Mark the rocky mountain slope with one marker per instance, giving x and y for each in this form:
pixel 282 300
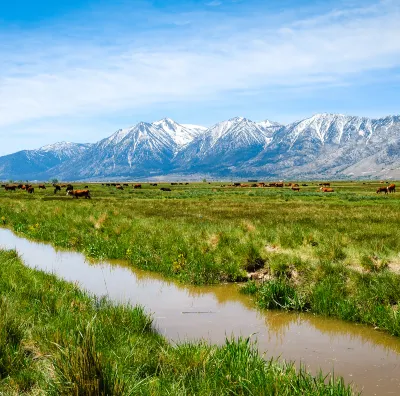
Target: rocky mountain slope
pixel 322 146
pixel 35 164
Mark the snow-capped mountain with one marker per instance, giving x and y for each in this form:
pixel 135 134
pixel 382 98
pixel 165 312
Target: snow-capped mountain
pixel 322 146
pixel 181 134
pixel 226 144
pixel 33 164
pixel 326 145
pixel 269 126
pixel 144 148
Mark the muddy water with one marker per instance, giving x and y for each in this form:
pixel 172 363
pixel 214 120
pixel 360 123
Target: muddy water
pixel 368 358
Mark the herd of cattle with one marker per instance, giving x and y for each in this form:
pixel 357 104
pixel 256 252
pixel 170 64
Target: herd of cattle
pixel 69 188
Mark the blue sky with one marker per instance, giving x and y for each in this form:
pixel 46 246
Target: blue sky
pixel 77 70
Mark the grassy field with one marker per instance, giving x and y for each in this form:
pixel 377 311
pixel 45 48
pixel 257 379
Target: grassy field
pixel 331 253
pixel 56 340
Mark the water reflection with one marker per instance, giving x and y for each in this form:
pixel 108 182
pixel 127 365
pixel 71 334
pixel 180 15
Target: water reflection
pixel 369 358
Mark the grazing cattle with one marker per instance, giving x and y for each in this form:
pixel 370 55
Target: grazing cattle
pixel 261 185
pixel 126 185
pixel 391 188
pixel 186 184
pixel 244 185
pixel 86 187
pixel 10 188
pixel 79 193
pixel 30 190
pixel 119 187
pixel 236 184
pixel 295 185
pixel 153 184
pixel 174 184
pixel 294 188
pixel 114 184
pixel 325 184
pixel 289 185
pixel 280 184
pixel 42 187
pixel 165 189
pixel 24 187
pixel 137 186
pixel 69 187
pixel 56 188
pixel 304 185
pixel 108 184
pixel 327 189
pixel 63 185
pixel 382 189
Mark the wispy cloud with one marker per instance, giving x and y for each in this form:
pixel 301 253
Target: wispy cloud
pixel 214 3
pixel 52 76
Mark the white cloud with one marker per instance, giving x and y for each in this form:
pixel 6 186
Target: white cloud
pixel 52 78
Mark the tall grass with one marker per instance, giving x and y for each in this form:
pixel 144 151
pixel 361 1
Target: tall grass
pixel 54 339
pixel 334 290
pixel 320 250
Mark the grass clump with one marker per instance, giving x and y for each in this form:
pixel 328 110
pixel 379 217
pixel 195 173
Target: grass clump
pixel 55 339
pixel 333 289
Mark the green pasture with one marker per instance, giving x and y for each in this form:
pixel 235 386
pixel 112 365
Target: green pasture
pixel 204 233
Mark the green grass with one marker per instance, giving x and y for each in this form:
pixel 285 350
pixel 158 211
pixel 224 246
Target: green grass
pixel 334 290
pixel 55 339
pixel 206 234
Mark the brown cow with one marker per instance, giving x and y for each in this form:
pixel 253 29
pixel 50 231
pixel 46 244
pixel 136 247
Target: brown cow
pixel 79 193
pixel 382 189
pixel 42 187
pixel 280 184
pixel 30 190
pixel 261 185
pixel 137 186
pixel 295 188
pixel 391 188
pixel 326 189
pixel 10 188
pixel 119 187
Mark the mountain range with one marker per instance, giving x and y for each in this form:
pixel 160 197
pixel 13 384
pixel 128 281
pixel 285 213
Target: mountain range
pixel 333 146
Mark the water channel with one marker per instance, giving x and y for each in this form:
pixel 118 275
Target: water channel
pixel 368 358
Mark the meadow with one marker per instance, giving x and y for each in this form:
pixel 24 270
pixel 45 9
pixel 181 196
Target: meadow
pixel 55 339
pixel 336 253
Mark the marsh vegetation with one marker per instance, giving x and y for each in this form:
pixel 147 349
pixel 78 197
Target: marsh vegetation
pixel 335 254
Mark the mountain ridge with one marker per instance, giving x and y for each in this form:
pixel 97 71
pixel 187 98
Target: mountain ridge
pixel 325 145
